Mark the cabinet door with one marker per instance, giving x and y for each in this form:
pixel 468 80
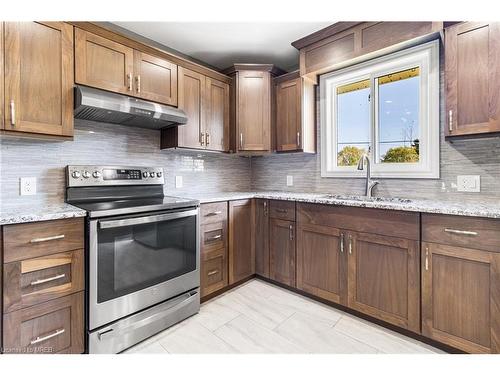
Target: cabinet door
pixel 282 251
pixel 102 63
pixel 1 78
pixel 191 101
pixel 383 278
pixel 155 78
pixel 39 77
pixel 262 237
pixel 288 115
pixel 217 115
pixel 461 297
pixel 254 111
pixel 241 240
pixel 213 271
pixel 472 58
pixel 322 262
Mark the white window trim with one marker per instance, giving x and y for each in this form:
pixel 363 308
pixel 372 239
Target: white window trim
pixel 426 57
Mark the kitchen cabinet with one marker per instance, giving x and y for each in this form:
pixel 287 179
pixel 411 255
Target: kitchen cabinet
pixel 112 66
pixel 282 251
pixel 206 103
pixel 251 106
pixel 472 73
pixel 383 278
pixel 322 262
pixel 38 74
pixel 294 123
pixel 262 237
pixel 214 251
pixel 1 78
pixel 241 240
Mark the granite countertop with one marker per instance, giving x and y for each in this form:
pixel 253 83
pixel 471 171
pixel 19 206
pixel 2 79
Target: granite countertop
pixel 39 212
pixel 488 210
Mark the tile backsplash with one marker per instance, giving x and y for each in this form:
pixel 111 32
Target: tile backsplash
pixel 109 144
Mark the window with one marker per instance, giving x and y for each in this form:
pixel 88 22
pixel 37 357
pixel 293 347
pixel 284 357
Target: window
pixel 387 108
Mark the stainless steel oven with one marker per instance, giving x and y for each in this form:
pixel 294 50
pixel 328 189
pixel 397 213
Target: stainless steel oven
pixel 143 261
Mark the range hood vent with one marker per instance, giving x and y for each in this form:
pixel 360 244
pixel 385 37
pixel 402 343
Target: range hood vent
pixel 102 106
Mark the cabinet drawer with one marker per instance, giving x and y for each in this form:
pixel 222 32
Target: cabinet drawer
pixel 24 241
pixel 284 210
pixel 32 281
pixel 52 327
pixel 214 272
pixel 470 232
pixel 213 236
pixel 213 212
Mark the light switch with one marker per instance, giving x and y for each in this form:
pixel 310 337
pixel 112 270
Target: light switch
pixel 27 185
pixel 289 180
pixel 178 182
pixel 470 183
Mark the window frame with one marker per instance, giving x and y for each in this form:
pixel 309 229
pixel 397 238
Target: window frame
pixel 426 58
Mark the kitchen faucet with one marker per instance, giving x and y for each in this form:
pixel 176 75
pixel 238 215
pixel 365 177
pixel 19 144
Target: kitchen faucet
pixel 369 183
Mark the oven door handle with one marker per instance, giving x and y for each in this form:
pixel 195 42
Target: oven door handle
pixel 145 219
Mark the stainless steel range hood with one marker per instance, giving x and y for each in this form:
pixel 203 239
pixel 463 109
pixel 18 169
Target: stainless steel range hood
pixel 102 106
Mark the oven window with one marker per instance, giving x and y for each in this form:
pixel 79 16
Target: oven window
pixel 131 258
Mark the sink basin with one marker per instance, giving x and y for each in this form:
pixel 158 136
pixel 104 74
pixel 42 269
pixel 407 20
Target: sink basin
pixel 361 198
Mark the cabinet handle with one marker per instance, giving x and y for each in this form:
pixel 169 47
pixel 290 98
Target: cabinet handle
pixel 45 338
pixel 213 213
pixel 45 239
pixel 298 139
pixel 214 272
pixel 265 208
pixel 12 113
pixel 350 244
pixel 241 140
pixel 450 120
pixel 129 82
pixel 207 138
pixel 341 242
pixel 281 210
pixel 202 139
pixel 138 79
pixel 427 259
pixel 462 232
pixel 215 237
pixel 290 227
pixel 43 281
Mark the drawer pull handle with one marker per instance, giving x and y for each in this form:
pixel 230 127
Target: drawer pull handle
pixel 341 242
pixel 463 232
pixel 45 338
pixel 45 239
pixel 427 259
pixel 350 244
pixel 214 272
pixel 281 210
pixel 48 279
pixel 215 237
pixel 214 213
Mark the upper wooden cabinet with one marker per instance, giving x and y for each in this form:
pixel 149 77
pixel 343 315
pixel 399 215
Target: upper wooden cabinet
pixel 38 95
pixel 115 67
pixel 472 59
pixel 251 106
pixel 295 128
pixel 206 103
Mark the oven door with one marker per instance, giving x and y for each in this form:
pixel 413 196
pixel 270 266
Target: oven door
pixel 137 261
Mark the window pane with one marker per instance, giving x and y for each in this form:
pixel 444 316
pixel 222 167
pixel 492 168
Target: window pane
pixel 353 122
pixel 398 117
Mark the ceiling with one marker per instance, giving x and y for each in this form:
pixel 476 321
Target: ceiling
pixel 221 44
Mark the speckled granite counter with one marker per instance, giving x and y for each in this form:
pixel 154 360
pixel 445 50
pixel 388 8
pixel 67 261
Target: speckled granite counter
pixel 41 212
pixel 489 210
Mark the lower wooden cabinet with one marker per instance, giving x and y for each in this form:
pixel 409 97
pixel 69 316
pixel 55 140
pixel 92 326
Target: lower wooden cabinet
pixel 282 251
pixel 461 297
pixel 213 271
pixel 262 237
pixel 241 240
pixel 383 278
pixel 322 262
pixel 52 327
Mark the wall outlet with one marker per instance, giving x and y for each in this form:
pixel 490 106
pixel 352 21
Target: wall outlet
pixel 178 182
pixel 27 185
pixel 469 183
pixel 289 180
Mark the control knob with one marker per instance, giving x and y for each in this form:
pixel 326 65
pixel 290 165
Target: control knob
pixel 75 174
pixel 96 174
pixel 151 174
pixel 145 174
pixel 158 174
pixel 86 174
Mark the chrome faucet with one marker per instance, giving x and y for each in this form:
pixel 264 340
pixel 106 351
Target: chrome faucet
pixel 370 184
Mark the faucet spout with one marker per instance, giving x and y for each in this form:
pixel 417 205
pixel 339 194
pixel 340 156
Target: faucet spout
pixel 369 183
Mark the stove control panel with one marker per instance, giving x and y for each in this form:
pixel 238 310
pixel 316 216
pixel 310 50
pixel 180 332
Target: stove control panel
pixel 98 175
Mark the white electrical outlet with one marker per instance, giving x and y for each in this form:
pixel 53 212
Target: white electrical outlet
pixel 289 180
pixel 178 182
pixel 469 183
pixel 27 185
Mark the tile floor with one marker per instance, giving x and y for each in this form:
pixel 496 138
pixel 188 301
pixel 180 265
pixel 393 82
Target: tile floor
pixel 258 317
